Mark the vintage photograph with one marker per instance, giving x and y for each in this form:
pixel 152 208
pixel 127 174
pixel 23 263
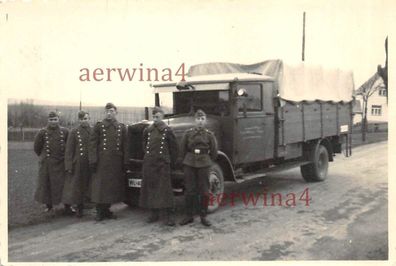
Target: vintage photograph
pixel 153 131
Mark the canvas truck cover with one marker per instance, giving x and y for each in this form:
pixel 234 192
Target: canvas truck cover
pixel 295 83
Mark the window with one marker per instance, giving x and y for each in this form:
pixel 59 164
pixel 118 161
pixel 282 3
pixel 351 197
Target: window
pixel 382 91
pixel 253 100
pixel 376 110
pixel 211 102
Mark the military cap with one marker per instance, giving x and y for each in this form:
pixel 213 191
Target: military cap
pixel 52 114
pixel 200 113
pixel 81 114
pixel 157 109
pixel 110 105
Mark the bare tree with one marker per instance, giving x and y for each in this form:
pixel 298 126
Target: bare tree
pixel 366 90
pixel 26 114
pixel 383 71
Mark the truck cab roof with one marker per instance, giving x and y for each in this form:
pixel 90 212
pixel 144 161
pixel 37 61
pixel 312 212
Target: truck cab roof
pixel 221 80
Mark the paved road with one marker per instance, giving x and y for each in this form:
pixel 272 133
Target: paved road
pixel 346 220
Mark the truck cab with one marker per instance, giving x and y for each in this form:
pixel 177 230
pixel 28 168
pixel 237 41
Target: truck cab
pixel 249 122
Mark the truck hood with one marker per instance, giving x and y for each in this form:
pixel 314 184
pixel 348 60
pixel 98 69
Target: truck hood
pixel 179 124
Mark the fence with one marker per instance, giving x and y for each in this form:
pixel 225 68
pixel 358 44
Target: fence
pixel 22 134
pixel 371 127
pixel 126 115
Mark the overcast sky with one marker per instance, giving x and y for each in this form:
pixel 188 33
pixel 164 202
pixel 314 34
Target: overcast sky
pixel 45 44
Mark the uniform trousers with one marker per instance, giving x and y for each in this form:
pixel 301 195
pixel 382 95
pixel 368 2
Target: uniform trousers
pixel 196 182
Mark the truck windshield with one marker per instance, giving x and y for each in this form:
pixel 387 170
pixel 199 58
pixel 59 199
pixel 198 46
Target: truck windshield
pixel 184 102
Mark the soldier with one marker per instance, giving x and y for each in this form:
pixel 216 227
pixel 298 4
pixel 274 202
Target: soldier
pixel 108 158
pixel 78 175
pixel 198 151
pixel 49 145
pixel 160 154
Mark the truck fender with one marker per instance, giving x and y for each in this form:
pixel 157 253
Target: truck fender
pixel 327 143
pixel 311 147
pixel 225 163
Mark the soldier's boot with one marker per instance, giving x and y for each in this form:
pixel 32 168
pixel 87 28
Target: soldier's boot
pixel 79 211
pixel 154 216
pixel 48 208
pixel 170 217
pixel 203 203
pixel 187 220
pixel 205 221
pixel 189 210
pixel 67 210
pixel 99 213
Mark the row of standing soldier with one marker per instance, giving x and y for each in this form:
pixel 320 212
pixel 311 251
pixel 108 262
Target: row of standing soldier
pixel 88 163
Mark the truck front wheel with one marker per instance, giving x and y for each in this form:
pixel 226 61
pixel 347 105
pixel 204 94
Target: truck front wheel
pixel 216 187
pixel 316 170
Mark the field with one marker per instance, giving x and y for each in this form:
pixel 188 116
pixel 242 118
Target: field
pixel 22 175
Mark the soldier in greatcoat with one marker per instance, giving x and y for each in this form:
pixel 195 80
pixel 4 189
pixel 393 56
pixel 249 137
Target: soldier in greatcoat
pixel 76 189
pixel 160 155
pixel 198 150
pixel 108 158
pixel 49 145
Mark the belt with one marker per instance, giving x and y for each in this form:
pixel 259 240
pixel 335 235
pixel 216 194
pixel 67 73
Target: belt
pixel 200 151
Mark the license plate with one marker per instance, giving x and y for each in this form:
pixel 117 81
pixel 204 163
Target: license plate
pixel 344 128
pixel 134 182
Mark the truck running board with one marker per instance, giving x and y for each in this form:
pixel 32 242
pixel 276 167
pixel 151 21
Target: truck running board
pixel 271 169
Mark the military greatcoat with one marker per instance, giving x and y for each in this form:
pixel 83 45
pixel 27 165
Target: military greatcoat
pixel 160 153
pixel 49 145
pixel 77 183
pixel 108 150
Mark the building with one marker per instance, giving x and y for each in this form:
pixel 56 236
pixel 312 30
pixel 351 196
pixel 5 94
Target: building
pixel 377 101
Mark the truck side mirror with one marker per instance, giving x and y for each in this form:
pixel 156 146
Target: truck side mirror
pixel 241 95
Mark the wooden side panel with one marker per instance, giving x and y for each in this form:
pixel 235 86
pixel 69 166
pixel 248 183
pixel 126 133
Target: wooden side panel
pixel 344 118
pixel 293 124
pixel 307 121
pixel 329 116
pixel 312 125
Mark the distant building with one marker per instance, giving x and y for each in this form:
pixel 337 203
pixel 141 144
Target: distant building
pixel 377 103
pixel 378 106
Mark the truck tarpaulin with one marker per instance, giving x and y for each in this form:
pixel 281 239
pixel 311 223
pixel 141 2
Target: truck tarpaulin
pixel 301 82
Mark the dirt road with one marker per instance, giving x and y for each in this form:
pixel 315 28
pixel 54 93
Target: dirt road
pixel 346 219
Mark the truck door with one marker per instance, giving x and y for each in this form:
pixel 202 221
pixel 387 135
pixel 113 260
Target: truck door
pixel 254 122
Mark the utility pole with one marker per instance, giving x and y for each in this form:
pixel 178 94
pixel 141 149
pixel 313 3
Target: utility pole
pixel 303 39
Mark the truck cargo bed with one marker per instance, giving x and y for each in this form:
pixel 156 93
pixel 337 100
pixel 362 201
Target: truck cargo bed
pixel 303 121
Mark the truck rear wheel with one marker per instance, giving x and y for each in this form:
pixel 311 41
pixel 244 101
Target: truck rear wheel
pixel 216 187
pixel 317 170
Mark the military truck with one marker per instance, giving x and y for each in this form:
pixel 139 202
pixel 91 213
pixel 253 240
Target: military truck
pixel 268 116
